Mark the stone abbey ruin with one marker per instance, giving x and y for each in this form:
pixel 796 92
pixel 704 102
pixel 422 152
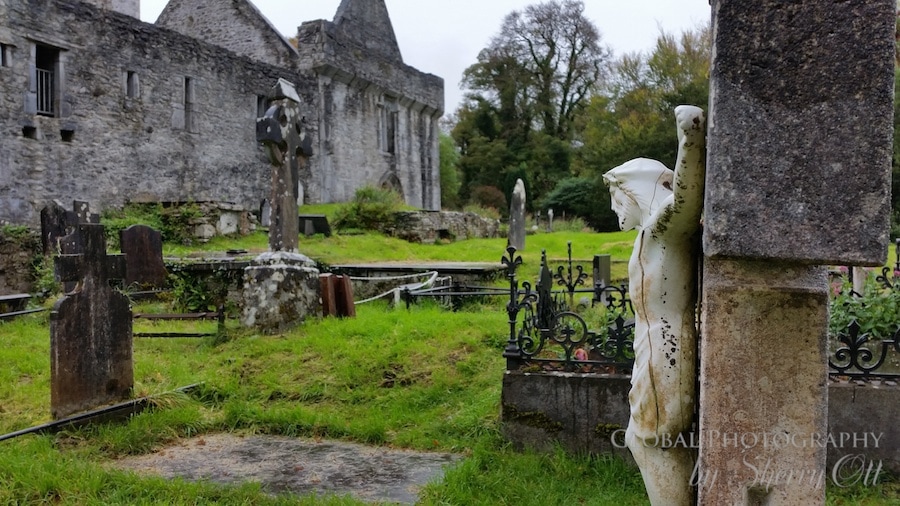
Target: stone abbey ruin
pixel 99 106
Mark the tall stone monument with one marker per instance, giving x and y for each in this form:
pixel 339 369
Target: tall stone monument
pixel 798 175
pixel 281 287
pixel 516 234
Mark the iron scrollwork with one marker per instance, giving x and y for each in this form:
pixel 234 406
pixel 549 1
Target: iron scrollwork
pixel 545 334
pixel 856 359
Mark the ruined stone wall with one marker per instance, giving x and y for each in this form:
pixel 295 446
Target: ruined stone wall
pixel 129 7
pixel 356 89
pixel 18 254
pixel 236 25
pixel 108 148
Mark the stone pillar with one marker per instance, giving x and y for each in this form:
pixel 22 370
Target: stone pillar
pixel 516 234
pixel 763 389
pixel 798 175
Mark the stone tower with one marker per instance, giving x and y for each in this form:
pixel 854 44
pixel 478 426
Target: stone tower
pixel 129 7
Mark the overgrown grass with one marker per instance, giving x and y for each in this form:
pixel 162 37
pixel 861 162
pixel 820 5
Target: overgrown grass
pixel 423 378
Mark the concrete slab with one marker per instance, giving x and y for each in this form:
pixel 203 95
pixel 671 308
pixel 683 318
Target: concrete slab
pixel 299 466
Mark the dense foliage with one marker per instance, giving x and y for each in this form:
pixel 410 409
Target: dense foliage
pixel 370 208
pixel 547 103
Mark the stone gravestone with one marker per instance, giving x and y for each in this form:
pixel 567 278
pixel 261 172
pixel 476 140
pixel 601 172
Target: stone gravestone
pixel 56 222
pixel 549 220
pixel 281 287
pixel 83 211
pixel 90 330
pixel 265 213
pixel 142 247
pixel 516 237
pixel 312 224
pixel 799 158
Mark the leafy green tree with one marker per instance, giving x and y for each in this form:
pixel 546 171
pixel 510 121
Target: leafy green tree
pixel 524 93
pixel 637 119
pixel 587 198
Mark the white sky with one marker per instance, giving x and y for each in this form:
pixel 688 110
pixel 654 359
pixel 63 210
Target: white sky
pixel 444 37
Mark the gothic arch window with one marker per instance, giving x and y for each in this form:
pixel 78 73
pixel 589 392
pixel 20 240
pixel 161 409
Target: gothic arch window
pixel 390 181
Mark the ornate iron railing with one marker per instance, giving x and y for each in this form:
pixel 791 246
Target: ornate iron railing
pixel 861 355
pixel 547 334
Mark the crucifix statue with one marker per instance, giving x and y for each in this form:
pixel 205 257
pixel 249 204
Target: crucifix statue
pixel 665 207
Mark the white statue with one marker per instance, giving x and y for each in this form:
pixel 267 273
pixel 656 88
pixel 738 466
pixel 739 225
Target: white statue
pixel 665 207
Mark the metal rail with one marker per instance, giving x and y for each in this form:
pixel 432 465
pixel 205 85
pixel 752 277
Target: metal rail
pixel 113 412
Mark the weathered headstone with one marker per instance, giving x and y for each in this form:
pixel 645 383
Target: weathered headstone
pixel 311 224
pixel 602 268
pixel 90 330
pixel 142 247
pixel 82 210
pixel 800 140
pixel 281 287
pixel 337 295
pixel 549 220
pixel 516 237
pixel 56 222
pixel 265 213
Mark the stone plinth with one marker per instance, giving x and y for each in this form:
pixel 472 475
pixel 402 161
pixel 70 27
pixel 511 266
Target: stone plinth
pixel 800 131
pixel 763 391
pixel 280 290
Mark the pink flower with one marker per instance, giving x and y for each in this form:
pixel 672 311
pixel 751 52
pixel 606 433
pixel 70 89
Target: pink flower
pixel 580 354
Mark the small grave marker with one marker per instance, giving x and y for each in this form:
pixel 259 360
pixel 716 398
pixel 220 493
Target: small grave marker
pixel 142 247
pixel 516 236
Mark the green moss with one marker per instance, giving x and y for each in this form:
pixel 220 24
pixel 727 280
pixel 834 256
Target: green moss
pixel 606 430
pixel 536 419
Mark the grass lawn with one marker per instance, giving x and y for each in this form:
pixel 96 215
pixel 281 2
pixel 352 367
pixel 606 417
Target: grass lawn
pixel 423 378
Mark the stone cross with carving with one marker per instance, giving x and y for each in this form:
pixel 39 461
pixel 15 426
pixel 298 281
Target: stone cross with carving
pixel 281 131
pixel 90 329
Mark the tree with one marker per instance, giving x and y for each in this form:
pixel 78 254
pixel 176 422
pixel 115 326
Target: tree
pixel 636 119
pixel 542 66
pixel 524 94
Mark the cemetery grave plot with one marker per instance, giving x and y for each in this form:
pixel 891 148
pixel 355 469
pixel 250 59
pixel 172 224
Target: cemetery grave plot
pixel 299 466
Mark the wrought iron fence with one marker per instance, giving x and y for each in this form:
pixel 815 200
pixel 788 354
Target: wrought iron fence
pixel 547 334
pixel 858 354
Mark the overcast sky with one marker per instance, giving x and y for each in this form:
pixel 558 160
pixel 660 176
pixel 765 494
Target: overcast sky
pixel 443 37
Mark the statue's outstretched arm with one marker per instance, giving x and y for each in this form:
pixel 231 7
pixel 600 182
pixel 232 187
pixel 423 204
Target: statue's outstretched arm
pixel 690 171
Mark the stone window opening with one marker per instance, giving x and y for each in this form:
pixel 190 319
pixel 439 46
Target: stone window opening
pixel 188 104
pixel 30 132
pixel 5 55
pixel 387 126
pixel 262 105
pixel 132 84
pixel 46 73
